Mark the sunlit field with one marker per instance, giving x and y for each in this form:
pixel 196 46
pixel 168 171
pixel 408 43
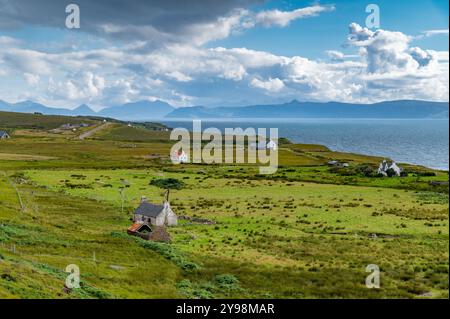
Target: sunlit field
pixel 308 231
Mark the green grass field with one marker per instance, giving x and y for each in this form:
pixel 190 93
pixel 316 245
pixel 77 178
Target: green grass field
pixel 305 232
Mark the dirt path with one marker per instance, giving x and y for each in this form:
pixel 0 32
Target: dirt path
pixel 93 131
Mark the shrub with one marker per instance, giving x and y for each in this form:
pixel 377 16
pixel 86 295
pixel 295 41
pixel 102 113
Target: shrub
pixel 227 282
pixel 171 254
pixel 390 172
pixel 366 170
pixel 425 174
pixel 165 250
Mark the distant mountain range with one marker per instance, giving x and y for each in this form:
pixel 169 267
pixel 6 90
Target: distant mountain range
pixel 142 110
pixel 296 109
pixel 156 110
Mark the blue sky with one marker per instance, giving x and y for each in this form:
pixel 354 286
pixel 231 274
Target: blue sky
pixel 227 53
pixel 312 37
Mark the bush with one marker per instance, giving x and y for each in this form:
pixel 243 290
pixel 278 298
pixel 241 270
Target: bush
pixel 227 282
pixel 390 172
pixel 366 170
pixel 426 174
pixel 194 291
pixel 171 254
pixel 166 250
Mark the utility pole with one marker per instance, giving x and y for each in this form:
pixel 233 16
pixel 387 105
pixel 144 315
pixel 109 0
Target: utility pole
pixel 122 190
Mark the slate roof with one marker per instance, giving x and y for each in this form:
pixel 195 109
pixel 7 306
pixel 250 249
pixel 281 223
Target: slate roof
pixel 149 210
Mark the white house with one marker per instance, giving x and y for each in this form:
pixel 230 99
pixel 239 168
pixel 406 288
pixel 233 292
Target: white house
pixel 156 215
pixel 385 166
pixel 4 135
pixel 271 145
pixel 179 157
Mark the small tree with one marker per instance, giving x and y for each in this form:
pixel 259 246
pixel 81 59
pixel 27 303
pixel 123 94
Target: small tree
pixel 167 183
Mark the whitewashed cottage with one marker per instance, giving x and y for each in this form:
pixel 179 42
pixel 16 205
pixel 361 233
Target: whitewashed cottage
pixel 156 215
pixel 4 135
pixel 179 157
pixel 385 166
pixel 271 145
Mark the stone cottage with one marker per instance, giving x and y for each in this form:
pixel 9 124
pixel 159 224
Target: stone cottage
pixel 156 215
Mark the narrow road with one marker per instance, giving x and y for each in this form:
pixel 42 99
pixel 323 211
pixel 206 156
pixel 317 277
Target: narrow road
pixel 94 130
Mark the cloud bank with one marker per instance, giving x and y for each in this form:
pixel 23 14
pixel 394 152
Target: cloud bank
pixel 144 55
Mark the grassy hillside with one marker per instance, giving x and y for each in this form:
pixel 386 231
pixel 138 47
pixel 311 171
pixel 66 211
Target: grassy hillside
pixel 134 134
pixel 307 231
pixel 10 120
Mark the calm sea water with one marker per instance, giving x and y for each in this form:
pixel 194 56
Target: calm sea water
pixel 424 142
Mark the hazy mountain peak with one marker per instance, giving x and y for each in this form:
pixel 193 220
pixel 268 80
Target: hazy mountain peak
pixel 83 107
pixel 139 110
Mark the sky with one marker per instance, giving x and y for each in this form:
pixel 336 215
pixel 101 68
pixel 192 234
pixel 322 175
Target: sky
pixel 222 52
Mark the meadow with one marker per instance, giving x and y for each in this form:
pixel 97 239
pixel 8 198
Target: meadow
pixel 308 231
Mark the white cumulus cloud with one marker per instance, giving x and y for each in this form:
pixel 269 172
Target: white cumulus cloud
pixel 271 85
pixel 283 18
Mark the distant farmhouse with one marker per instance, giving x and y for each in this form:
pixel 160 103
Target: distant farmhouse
pixel 69 126
pixel 4 135
pixel 337 164
pixel 150 219
pixel 387 169
pixel 271 145
pixel 179 157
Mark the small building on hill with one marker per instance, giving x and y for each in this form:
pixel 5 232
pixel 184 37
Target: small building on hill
pixel 4 135
pixel 179 157
pixel 271 145
pixel 260 146
pixel 387 169
pixel 335 163
pixel 156 215
pixel 150 221
pixel 73 127
pixel 149 232
pixel 140 229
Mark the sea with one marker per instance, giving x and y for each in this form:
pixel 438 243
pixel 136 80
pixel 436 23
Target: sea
pixel 415 141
